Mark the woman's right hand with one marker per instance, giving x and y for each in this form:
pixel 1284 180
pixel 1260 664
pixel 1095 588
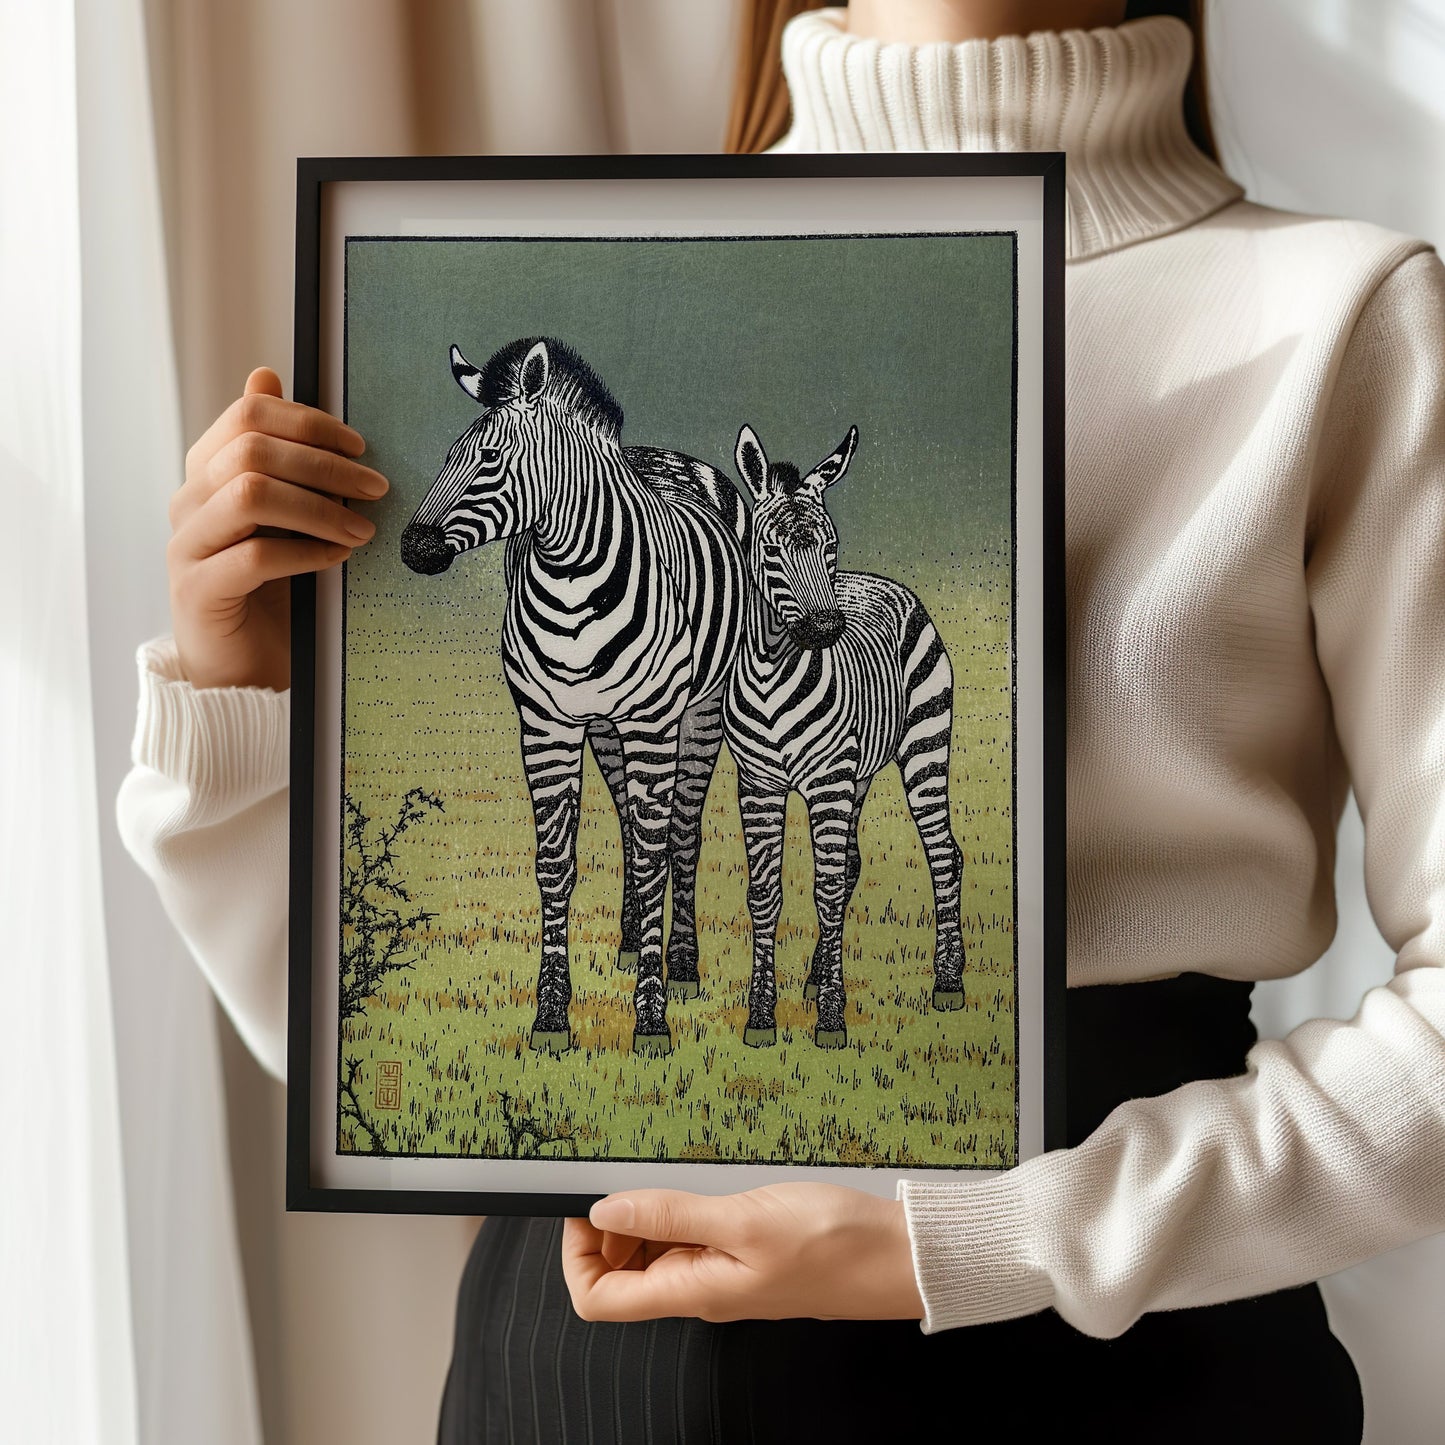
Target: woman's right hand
pixel 265 469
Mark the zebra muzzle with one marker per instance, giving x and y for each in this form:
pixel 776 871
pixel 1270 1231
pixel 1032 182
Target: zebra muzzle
pixel 424 549
pixel 817 629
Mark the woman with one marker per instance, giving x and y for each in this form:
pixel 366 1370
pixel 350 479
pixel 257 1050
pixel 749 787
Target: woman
pixel 1257 619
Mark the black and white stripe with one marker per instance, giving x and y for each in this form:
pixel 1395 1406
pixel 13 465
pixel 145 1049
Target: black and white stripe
pixel 838 675
pixel 623 614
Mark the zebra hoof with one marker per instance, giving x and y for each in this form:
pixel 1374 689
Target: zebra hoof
pixel 945 1001
pixel 653 1044
pixel 627 959
pixel 810 989
pixel 551 1041
pixel 760 1038
pixel 831 1038
pixel 683 987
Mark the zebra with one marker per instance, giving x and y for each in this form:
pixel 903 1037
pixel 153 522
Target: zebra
pixel 624 579
pixel 838 674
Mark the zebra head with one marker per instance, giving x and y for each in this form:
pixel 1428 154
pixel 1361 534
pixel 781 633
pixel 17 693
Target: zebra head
pixel 793 556
pixel 540 401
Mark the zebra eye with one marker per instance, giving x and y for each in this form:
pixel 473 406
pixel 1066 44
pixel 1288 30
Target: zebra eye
pixel 488 456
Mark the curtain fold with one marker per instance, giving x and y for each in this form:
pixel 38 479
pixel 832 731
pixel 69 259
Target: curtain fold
pixel 193 1365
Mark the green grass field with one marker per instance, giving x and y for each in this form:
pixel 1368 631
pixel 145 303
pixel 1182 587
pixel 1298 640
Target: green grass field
pixel 425 705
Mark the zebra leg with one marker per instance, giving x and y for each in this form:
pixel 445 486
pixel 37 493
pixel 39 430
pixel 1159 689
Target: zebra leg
pixel 764 808
pixel 830 797
pixel 853 866
pixel 607 749
pixel 649 750
pixel 923 760
pixel 699 743
pixel 552 760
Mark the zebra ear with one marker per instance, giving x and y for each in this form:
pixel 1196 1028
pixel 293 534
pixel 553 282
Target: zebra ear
pixel 532 379
pixel 832 467
pixel 467 375
pixel 752 463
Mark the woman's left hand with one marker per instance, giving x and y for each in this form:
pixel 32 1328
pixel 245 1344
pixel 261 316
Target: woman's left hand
pixel 781 1252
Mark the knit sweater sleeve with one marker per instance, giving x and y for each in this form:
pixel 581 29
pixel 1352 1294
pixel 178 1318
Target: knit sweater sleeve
pixel 1331 1146
pixel 203 810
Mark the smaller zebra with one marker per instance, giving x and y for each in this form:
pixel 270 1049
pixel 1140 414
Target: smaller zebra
pixel 839 674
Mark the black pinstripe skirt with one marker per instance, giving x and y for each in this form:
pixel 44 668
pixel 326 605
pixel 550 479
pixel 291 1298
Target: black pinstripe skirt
pixel 525 1368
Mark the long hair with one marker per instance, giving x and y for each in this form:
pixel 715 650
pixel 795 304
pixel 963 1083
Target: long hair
pixel 759 114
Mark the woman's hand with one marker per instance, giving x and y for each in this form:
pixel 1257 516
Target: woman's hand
pixel 266 469
pixel 781 1252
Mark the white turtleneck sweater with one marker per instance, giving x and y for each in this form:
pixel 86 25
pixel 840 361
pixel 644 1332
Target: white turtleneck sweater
pixel 1256 590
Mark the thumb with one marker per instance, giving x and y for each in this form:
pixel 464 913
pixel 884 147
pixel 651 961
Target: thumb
pixel 263 382
pixel 670 1216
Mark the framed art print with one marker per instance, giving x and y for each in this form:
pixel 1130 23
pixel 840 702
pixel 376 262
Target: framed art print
pixel 677 776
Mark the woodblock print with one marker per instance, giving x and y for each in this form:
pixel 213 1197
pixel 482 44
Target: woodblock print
pixel 894 1094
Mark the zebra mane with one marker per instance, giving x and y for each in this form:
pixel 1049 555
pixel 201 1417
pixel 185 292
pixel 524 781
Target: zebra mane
pixel 783 477
pixel 572 384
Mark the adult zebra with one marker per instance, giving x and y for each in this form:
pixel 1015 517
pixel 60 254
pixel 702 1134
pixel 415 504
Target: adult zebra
pixel 624 605
pixel 839 673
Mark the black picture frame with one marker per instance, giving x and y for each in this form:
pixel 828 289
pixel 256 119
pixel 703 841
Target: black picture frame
pixel 313 178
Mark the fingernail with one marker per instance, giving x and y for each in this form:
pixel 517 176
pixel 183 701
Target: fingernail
pixel 374 485
pixel 617 1214
pixel 358 526
pixel 353 439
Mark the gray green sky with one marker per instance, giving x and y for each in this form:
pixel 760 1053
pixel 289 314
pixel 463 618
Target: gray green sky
pixel 909 338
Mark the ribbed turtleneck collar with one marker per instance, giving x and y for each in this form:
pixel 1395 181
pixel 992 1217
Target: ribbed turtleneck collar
pixel 1110 98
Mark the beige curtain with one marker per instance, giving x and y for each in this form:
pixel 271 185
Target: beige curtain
pixel 242 89
pixel 351 1316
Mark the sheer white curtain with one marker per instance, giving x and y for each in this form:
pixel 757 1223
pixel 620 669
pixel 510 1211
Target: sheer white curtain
pixel 66 1341
pixel 193 1361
